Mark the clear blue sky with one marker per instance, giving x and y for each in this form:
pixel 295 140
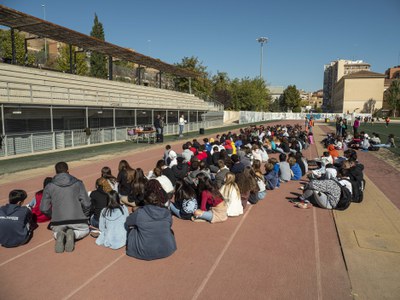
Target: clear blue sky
pixel 303 35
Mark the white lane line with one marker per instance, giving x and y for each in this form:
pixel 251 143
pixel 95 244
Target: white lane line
pixel 26 252
pixel 317 256
pixel 218 260
pixel 94 277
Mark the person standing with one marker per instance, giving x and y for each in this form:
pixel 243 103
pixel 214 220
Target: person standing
pixel 311 124
pixel 387 121
pixel 66 200
pixel 182 123
pixel 356 125
pixel 159 124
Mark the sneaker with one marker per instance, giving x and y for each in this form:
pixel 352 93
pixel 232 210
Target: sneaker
pixel 69 240
pixel 60 240
pixel 95 233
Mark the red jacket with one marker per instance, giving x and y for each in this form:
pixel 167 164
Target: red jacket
pixel 36 211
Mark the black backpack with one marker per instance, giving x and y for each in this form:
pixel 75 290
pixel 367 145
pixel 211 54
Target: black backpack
pixel 345 198
pixel 358 190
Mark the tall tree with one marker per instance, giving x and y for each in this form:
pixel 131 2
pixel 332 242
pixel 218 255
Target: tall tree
pixel 250 94
pixel 221 89
pixel 201 86
pixel 6 48
pixel 392 96
pixel 291 99
pixel 98 61
pixel 63 60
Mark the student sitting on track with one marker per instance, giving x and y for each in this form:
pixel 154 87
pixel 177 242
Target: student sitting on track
pixel 185 202
pixel 295 168
pixel 325 193
pixel 149 228
pixel 99 200
pixel 34 205
pixel 212 205
pixel 16 224
pixel 65 199
pixel 248 186
pixel 136 196
pixel 284 169
pixel 124 184
pixel 112 223
pixel 270 176
pixel 231 193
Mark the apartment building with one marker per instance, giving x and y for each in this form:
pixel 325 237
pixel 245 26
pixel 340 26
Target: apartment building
pixel 360 92
pixel 334 71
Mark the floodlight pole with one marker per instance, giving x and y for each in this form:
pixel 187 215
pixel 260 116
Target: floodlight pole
pixel 45 40
pixel 262 40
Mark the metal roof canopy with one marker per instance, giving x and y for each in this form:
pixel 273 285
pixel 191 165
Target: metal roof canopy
pixel 27 23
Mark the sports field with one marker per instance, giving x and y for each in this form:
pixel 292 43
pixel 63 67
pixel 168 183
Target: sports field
pixel 383 132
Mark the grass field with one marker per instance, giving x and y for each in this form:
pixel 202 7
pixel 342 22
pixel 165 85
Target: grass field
pixel 383 132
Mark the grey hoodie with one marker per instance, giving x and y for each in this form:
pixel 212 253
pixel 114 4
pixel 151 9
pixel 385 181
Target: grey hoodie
pixel 65 199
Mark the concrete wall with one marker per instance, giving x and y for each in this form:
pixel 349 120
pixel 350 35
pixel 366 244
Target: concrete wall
pixel 358 91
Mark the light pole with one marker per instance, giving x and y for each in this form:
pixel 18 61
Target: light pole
pixel 262 40
pixel 45 40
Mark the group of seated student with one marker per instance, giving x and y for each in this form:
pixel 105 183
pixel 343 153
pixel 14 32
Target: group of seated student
pixel 333 171
pixel 361 141
pixel 208 181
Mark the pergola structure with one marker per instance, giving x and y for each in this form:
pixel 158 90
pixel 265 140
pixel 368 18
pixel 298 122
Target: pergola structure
pixel 17 20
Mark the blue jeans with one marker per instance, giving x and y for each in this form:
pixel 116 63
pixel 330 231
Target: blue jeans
pixel 181 129
pixel 207 215
pixel 174 210
pixel 94 222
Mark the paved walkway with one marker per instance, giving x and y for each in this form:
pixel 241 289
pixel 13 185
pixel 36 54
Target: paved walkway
pixel 274 251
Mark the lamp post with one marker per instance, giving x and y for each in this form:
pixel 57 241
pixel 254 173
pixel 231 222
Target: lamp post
pixel 262 41
pixel 45 40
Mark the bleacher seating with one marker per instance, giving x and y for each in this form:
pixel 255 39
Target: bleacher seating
pixel 22 85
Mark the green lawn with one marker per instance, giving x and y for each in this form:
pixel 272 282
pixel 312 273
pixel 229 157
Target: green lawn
pixel 383 132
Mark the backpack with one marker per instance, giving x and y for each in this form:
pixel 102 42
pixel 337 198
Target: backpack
pixel 345 198
pixel 358 190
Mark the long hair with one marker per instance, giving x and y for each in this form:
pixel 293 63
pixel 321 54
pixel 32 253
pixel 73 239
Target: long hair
pixel 183 191
pixel 112 203
pixel 257 167
pixel 229 185
pixel 205 184
pixel 139 183
pixel 123 165
pixel 246 180
pixel 106 173
pixel 154 193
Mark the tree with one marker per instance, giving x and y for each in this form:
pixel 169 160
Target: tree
pixel 392 96
pixel 291 99
pixel 275 106
pixel 250 94
pixel 63 61
pixel 221 89
pixel 201 85
pixel 6 48
pixel 98 61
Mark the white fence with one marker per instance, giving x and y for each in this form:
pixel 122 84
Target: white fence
pixel 246 117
